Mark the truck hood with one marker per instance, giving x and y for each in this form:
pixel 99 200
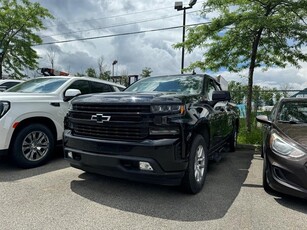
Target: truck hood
pixel 130 98
pixel 26 97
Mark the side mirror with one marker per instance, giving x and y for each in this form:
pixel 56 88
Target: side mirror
pixel 71 93
pixel 221 96
pixel 263 119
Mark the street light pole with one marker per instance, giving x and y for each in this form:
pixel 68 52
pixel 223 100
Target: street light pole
pixel 183 40
pixel 178 7
pixel 113 64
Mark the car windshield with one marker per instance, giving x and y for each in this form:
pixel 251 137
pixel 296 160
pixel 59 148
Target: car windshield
pixel 39 85
pixel 293 112
pixel 189 84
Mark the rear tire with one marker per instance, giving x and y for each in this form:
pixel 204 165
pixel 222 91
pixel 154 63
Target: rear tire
pixel 32 146
pixel 195 175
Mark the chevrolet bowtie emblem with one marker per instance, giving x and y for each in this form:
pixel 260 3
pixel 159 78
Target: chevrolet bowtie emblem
pixel 99 118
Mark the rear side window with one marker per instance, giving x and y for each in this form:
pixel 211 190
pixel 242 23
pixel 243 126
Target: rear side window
pixel 81 85
pixel 98 87
pixel 9 84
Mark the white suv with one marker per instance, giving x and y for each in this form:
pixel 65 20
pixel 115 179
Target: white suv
pixel 8 83
pixel 32 115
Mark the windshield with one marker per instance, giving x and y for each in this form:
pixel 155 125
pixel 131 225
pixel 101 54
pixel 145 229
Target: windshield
pixel 40 85
pixel 178 84
pixel 293 112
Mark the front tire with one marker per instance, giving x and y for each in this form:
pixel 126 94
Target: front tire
pixel 33 146
pixel 195 175
pixel 265 183
pixel 233 141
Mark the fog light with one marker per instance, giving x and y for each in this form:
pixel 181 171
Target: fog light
pixel 69 154
pixel 145 166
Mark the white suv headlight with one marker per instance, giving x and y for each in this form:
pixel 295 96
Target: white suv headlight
pixel 284 148
pixel 4 107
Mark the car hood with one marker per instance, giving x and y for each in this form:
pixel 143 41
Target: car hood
pixel 296 132
pixel 130 98
pixel 25 97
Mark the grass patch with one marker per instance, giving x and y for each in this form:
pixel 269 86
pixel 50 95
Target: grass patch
pixel 254 137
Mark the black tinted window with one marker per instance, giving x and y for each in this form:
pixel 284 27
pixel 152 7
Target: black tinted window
pixel 81 85
pixel 9 84
pixel 98 87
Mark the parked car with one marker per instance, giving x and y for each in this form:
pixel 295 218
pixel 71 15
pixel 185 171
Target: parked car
pixel 8 83
pixel 284 149
pixel 161 130
pixel 32 115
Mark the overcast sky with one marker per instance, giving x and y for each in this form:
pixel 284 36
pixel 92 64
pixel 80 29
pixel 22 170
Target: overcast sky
pixel 80 19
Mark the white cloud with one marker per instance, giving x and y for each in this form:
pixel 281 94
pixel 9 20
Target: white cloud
pixel 134 52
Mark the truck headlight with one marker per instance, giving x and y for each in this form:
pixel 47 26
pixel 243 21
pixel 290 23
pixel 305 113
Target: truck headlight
pixel 167 109
pixel 284 148
pixel 4 107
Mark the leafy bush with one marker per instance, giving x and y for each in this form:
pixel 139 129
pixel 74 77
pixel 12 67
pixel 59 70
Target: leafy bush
pixel 254 137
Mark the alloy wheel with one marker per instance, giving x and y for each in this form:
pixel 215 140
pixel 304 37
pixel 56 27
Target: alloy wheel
pixel 35 146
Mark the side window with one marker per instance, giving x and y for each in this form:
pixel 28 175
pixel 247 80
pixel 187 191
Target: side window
pixel 9 84
pixel 82 85
pixel 211 88
pixel 98 87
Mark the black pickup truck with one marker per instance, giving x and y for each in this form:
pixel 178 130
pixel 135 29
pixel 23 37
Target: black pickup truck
pixel 160 130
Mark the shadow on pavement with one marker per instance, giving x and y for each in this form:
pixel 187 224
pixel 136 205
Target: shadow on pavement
pixel 223 183
pixel 10 172
pixel 293 203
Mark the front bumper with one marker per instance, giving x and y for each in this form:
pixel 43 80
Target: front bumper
pixel 287 175
pixel 121 158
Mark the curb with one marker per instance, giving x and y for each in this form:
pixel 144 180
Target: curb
pixel 248 146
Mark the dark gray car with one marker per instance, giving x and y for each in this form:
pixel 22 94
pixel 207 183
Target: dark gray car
pixel 285 147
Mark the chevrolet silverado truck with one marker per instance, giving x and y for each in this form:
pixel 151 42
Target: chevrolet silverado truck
pixel 32 115
pixel 160 130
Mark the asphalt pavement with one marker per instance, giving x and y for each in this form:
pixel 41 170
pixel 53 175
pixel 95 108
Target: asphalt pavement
pixel 56 196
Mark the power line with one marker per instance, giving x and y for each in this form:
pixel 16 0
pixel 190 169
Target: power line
pixel 118 25
pixel 116 16
pixel 116 35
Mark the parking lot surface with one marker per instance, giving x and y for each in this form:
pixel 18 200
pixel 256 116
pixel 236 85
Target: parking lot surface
pixel 56 196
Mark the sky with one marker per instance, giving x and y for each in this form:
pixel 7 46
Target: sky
pixel 108 20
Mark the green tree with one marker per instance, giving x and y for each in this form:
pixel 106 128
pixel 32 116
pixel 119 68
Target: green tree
pixel 91 72
pixel 277 94
pixel 267 96
pixel 250 33
pixel 19 20
pixel 106 75
pixel 238 91
pixel 146 72
pixel 102 68
pixel 257 97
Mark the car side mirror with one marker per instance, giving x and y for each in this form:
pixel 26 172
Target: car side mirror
pixel 221 96
pixel 71 93
pixel 263 119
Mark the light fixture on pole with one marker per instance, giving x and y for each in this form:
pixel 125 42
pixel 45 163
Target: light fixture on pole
pixel 113 64
pixel 178 7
